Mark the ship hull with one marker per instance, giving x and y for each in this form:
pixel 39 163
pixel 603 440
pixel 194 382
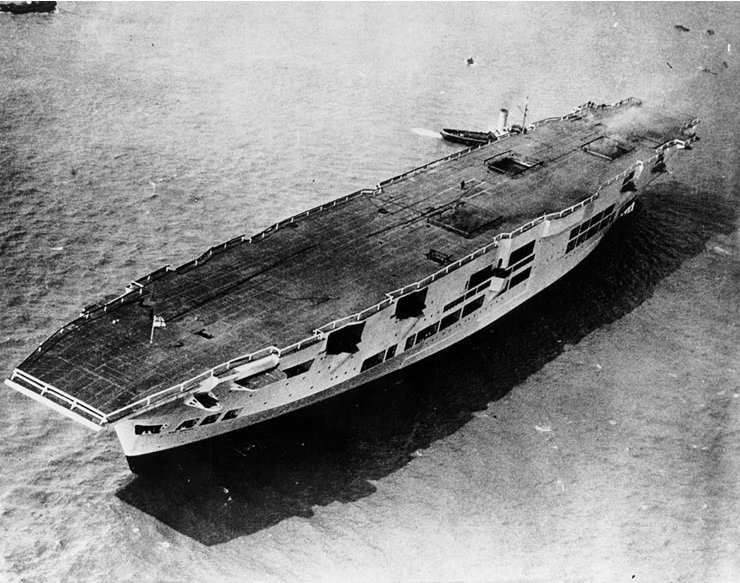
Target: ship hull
pixel 550 261
pixel 153 457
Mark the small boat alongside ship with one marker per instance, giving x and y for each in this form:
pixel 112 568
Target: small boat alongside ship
pixel 350 291
pixel 40 7
pixel 468 137
pixel 473 138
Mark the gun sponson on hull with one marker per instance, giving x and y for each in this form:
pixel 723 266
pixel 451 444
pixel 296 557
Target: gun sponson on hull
pixel 349 291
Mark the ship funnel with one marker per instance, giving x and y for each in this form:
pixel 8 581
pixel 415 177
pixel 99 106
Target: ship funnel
pixel 503 118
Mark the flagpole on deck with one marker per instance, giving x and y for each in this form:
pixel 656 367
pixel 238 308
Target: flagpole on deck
pixel 157 322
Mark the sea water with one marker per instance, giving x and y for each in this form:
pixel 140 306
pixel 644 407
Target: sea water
pixel 590 436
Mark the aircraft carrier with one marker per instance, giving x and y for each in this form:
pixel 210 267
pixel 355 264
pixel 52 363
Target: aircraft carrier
pixel 347 292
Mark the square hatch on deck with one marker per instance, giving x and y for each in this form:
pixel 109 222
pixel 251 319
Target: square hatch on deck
pixel 509 165
pixel 606 147
pixel 466 219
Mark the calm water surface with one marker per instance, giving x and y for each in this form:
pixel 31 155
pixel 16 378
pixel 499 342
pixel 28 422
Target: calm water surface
pixel 591 437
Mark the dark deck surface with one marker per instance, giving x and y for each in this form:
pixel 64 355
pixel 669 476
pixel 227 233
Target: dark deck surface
pixel 333 263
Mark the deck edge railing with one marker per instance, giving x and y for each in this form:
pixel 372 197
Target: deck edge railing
pixel 61 398
pixel 436 162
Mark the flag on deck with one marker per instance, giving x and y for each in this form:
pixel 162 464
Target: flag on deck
pixel 157 322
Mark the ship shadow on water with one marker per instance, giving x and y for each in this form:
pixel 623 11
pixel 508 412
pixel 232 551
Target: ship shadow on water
pixel 330 452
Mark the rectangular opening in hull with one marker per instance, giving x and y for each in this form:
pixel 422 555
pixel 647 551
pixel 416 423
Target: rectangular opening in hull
pixel 147 429
pixel 298 369
pixel 411 305
pixel 345 339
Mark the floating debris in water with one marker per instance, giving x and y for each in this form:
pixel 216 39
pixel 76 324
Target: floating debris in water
pixel 708 70
pixel 710 31
pixel 681 27
pixel 470 61
pixel 724 63
pixel 543 428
